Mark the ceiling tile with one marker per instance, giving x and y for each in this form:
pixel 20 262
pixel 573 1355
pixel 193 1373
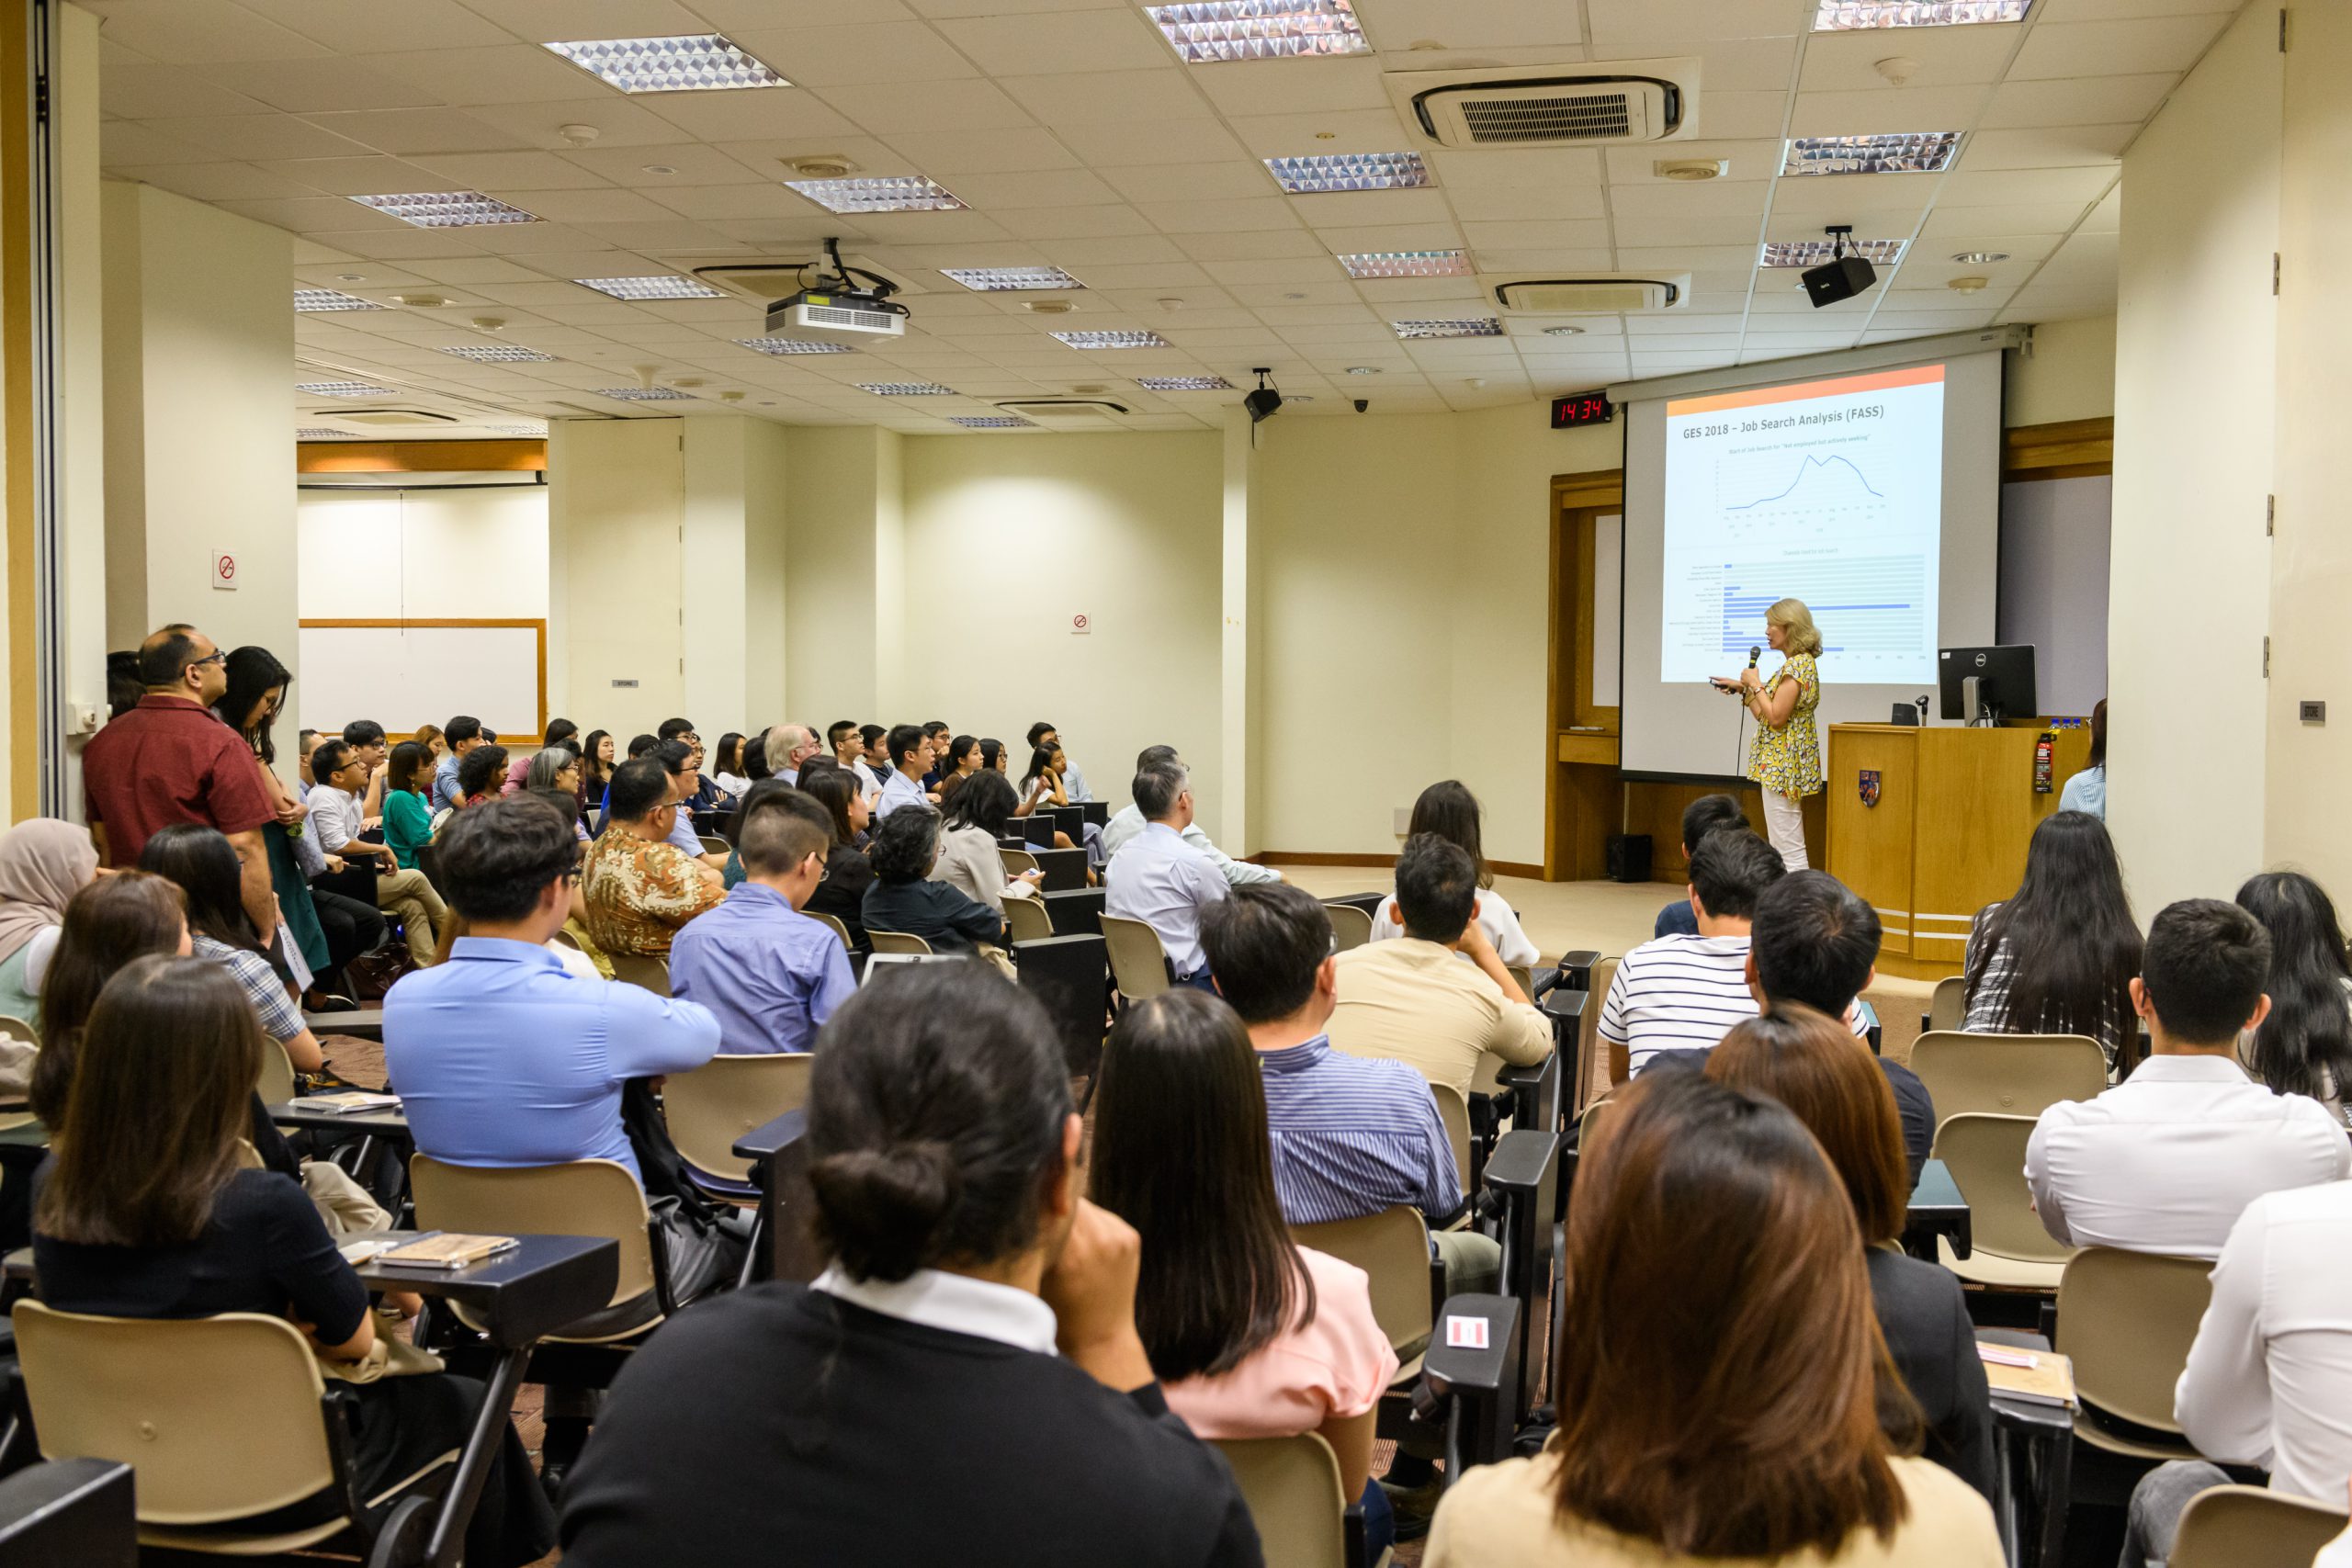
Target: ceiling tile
pixel 1035 189
pixel 888 108
pixel 2035 218
pixel 1885 109
pixel 365 26
pixel 1015 150
pixel 601 206
pixel 1229 245
pixel 857 54
pixel 747 198
pixel 256 137
pixel 2061 147
pixel 1077 252
pixel 2113 49
pixel 308 213
pixel 693 162
pixel 510 171
pixel 1739 116
pixel 1293 86
pixel 1066 222
pixel 1495 24
pixel 1127 97
pixel 1684 231
pixel 1622 23
pixel 2077 101
pixel 371 175
pixel 1221 180
pixel 155 92
pixel 1712 198
pixel 1833 196
pixel 507 73
pixel 200 32
pixel 214 182
pixel 617 123
pixel 1118 39
pixel 1520 236
pixel 408 132
pixel 1939 57
pixel 301 87
pixel 1219 217
pixel 1755 159
pixel 136 142
pixel 2013 185
pixel 544 20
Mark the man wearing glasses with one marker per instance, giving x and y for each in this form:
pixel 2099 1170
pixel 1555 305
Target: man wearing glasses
pixel 171 759
pixel 771 974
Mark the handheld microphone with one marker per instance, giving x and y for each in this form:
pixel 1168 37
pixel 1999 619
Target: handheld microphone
pixel 1755 652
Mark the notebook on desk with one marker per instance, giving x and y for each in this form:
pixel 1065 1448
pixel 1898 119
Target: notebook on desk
pixel 2040 1377
pixel 445 1249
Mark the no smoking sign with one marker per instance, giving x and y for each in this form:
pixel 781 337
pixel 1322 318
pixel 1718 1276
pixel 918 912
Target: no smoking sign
pixel 1080 623
pixel 225 570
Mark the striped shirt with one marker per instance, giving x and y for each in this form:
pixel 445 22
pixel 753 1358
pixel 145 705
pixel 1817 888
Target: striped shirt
pixel 1352 1138
pixel 1682 993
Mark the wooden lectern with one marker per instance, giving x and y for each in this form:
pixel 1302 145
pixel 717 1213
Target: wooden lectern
pixel 1930 824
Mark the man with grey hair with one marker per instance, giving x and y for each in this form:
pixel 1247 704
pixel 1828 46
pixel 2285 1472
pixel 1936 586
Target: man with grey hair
pixel 1129 822
pixel 1161 880
pixel 789 746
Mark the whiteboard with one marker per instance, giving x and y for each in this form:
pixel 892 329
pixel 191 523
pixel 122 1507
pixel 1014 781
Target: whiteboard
pixel 408 674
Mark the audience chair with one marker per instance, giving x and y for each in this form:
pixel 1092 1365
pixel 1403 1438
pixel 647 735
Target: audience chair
pixel 712 844
pixel 1524 977
pixel 2006 1074
pixel 1454 1112
pixel 642 970
pixel 1947 1007
pixel 589 1197
pixel 1017 863
pixel 1393 1249
pixel 223 1419
pixel 275 1085
pixel 711 1107
pixel 897 942
pixel 1292 1486
pixel 2008 1246
pixel 19 1031
pixel 1351 927
pixel 1139 963
pixel 1028 920
pixel 2235 1526
pixel 831 923
pixel 69 1511
pixel 1592 1056
pixel 2134 1315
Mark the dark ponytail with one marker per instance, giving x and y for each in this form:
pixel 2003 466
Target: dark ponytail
pixel 935 1115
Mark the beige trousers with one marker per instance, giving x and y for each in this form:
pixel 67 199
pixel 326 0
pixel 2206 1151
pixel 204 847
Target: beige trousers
pixel 407 894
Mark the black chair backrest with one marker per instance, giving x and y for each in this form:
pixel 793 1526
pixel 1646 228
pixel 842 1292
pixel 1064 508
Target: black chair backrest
pixel 1097 812
pixel 75 1512
pixel 1071 819
pixel 1076 912
pixel 1037 828
pixel 1071 976
pixel 1065 869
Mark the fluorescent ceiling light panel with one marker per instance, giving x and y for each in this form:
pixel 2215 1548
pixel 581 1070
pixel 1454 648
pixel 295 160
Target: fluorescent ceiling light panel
pixel 1011 279
pixel 446 209
pixel 700 62
pixel 319 433
pixel 1814 253
pixel 1115 340
pixel 497 353
pixel 1184 383
pixel 793 346
pixel 331 299
pixel 991 421
pixel 665 286
pixel 1407 264
pixel 905 389
pixel 1467 326
pixel 883 193
pixel 1855 16
pixel 342 389
pixel 645 394
pixel 1894 153
pixel 1216 30
pixel 1349 171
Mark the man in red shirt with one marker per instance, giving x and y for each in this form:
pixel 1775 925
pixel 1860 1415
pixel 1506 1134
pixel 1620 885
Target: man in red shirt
pixel 171 759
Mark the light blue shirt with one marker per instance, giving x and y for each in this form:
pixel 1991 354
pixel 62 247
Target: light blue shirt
pixel 2086 791
pixel 1165 882
pixel 898 790
pixel 768 972
pixel 1126 822
pixel 683 834
pixel 501 1058
pixel 1074 782
pixel 444 792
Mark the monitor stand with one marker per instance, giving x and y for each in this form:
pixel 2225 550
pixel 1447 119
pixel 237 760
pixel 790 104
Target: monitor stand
pixel 1980 716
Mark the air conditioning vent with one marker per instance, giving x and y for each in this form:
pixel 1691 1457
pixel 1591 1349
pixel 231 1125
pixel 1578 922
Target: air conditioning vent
pixel 1067 411
pixel 395 419
pixel 1606 293
pixel 1647 100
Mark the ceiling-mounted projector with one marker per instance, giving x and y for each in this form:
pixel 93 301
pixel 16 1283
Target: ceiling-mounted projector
pixel 840 302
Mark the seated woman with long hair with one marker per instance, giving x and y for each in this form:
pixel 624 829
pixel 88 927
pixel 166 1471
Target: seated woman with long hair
pixel 185 1229
pixel 204 867
pixel 2058 955
pixel 2303 1045
pixel 1719 1369
pixel 1817 1069
pixel 1448 809
pixel 848 873
pixel 1251 1335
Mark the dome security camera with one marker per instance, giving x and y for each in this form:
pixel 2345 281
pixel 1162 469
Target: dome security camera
pixel 1363 405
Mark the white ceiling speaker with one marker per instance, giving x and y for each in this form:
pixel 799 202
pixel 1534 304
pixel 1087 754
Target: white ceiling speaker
pixel 823 166
pixel 1563 106
pixel 1590 293
pixel 1067 411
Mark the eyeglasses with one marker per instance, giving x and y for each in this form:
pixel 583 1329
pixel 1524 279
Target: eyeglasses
pixel 215 656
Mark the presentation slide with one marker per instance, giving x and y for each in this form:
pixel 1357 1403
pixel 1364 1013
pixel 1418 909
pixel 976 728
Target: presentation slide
pixel 1866 484
pixel 1830 492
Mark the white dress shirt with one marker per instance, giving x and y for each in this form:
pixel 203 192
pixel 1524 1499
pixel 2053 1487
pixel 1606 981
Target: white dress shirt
pixel 2169 1160
pixel 956 1302
pixel 1127 822
pixel 898 791
pixel 2269 1380
pixel 868 781
pixel 1494 919
pixel 337 815
pixel 1165 882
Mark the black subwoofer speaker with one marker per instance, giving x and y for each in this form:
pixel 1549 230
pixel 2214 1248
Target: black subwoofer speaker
pixel 1629 857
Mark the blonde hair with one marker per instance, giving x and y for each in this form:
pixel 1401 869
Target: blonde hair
pixel 1792 618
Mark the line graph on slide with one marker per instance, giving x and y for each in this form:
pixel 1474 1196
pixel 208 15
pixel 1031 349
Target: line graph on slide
pixel 1805 470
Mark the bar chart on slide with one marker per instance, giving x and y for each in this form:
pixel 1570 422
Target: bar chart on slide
pixel 1826 492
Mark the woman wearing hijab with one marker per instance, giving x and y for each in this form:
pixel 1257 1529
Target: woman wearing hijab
pixel 43 862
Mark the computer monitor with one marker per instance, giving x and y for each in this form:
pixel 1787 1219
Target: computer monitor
pixel 2003 682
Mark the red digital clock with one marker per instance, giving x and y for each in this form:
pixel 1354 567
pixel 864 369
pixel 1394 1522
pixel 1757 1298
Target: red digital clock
pixel 1582 408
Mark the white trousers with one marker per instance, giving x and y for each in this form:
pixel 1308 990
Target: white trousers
pixel 1784 827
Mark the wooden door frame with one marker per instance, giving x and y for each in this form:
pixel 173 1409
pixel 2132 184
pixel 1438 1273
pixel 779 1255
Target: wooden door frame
pixel 1596 491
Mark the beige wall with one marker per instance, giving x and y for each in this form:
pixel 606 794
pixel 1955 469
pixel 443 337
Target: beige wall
pixel 2190 568
pixel 200 346
pixel 832 476
pixel 2311 580
pixel 2068 373
pixel 732 549
pixel 1007 539
pixel 616 501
